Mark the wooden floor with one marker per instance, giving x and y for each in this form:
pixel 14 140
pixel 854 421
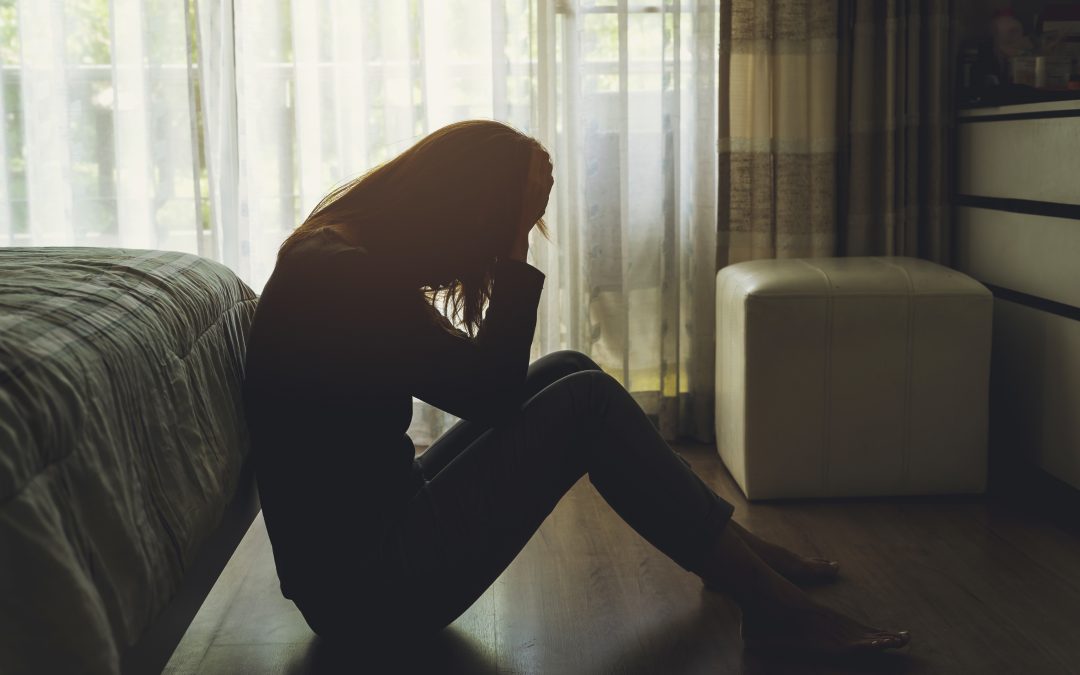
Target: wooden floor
pixel 983 589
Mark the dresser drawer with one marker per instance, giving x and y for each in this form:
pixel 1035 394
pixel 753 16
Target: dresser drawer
pixel 1037 255
pixel 1034 159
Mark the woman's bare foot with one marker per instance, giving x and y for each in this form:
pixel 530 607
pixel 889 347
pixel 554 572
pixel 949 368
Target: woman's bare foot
pixel 792 566
pixel 777 614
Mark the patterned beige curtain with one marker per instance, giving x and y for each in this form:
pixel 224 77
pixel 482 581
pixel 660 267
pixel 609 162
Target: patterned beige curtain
pixel 895 180
pixel 778 129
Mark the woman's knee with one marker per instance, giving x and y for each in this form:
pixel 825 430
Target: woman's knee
pixel 568 411
pixel 554 366
pixel 592 391
pixel 572 360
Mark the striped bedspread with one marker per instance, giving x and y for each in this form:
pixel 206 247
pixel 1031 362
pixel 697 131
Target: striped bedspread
pixel 121 441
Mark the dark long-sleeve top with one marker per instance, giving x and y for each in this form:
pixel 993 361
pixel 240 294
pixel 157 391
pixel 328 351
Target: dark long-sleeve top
pixel 337 350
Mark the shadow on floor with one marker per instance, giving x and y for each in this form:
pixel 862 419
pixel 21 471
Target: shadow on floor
pixel 887 663
pixel 450 652
pixel 707 640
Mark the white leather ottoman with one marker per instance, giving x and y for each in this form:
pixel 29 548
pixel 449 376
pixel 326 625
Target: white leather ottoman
pixel 843 377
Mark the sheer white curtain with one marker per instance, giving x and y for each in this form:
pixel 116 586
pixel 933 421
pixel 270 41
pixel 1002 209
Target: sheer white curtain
pixel 98 135
pixel 219 139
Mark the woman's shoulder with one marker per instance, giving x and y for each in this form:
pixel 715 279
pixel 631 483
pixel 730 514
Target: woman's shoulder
pixel 326 262
pixel 322 242
pixel 323 254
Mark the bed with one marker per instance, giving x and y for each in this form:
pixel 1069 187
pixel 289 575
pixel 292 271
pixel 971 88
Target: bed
pixel 124 474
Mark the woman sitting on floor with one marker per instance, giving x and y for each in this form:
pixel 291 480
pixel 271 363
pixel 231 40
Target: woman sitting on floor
pixel 371 543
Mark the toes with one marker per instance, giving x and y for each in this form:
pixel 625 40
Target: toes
pixel 886 640
pixel 817 570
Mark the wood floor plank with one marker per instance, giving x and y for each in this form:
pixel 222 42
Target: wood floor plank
pixel 260 614
pixel 541 599
pixel 247 558
pixel 982 588
pixel 475 632
pixel 259 659
pixel 1042 543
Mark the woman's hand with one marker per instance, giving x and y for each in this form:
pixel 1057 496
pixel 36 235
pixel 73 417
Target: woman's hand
pixel 538 184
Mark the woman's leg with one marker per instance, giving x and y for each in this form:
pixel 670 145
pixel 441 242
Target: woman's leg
pixel 542 372
pixel 792 566
pixel 546 370
pixel 466 525
pixel 553 367
pixel 776 615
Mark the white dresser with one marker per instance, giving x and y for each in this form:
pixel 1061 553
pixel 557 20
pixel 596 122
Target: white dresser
pixel 1018 232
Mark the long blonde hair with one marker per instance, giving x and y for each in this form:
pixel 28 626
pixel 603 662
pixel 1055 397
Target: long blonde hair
pixel 459 190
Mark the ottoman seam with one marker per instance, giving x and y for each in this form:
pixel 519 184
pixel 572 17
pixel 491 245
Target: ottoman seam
pixel 826 443
pixel 908 368
pixel 826 394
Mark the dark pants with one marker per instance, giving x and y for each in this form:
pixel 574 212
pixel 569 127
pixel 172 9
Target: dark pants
pixel 489 489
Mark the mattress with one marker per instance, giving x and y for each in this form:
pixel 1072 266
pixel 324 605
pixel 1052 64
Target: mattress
pixel 122 439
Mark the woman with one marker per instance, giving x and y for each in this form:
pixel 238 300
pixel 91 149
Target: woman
pixel 369 542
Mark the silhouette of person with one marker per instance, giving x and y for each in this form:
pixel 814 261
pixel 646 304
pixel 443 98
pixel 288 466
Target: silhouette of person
pixel 373 543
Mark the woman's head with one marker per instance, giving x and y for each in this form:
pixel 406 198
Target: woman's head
pixel 441 212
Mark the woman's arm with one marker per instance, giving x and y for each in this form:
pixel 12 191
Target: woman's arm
pixel 395 341
pixel 481 378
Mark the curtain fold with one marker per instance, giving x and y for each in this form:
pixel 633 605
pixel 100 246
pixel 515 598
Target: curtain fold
pixel 214 126
pixel 836 137
pixel 897 178
pixel 97 125
pixel 778 129
pixel 214 52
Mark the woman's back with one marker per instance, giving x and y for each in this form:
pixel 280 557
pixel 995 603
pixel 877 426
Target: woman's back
pixel 327 427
